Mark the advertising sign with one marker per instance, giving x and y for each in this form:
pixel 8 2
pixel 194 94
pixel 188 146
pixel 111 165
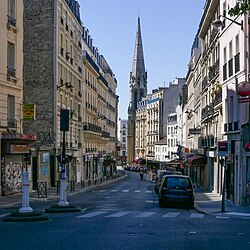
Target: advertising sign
pixel 223 148
pixel 29 112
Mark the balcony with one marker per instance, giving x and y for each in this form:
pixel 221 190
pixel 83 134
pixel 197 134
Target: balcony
pixel 207 111
pixel 204 82
pixel 89 127
pixel 105 135
pixel 11 73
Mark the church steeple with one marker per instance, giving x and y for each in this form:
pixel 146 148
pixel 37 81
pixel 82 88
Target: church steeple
pixel 138 61
pixel 138 76
pixel 138 89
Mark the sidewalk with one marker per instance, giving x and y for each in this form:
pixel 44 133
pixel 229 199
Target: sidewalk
pixel 209 203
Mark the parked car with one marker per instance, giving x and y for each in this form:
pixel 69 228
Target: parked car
pixel 176 190
pixel 161 173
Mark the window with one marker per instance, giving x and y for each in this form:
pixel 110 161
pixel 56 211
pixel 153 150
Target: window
pixel 11 71
pixel 230 62
pixel 11 111
pixel 11 8
pixel 237 55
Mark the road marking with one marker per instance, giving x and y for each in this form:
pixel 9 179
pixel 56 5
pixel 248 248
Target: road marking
pixel 3 215
pixel 150 201
pixel 148 191
pixel 102 190
pixel 114 190
pixel 92 214
pixel 137 191
pixel 125 190
pixel 222 217
pixel 236 213
pixel 145 214
pixel 192 232
pixel 197 216
pixel 118 214
pixel 170 215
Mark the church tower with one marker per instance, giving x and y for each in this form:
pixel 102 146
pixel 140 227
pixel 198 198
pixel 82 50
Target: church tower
pixel 138 89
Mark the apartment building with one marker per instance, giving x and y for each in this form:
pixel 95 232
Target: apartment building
pixel 123 140
pixel 63 70
pixel 14 144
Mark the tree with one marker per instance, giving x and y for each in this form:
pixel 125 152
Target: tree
pixel 242 7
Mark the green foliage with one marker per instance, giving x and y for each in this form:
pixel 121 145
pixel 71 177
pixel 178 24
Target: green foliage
pixel 240 9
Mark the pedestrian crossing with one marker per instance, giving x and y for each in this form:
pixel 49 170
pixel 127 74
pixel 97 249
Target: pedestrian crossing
pixel 136 214
pixel 123 191
pixel 149 214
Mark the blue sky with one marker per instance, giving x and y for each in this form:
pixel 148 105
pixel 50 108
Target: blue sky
pixel 168 29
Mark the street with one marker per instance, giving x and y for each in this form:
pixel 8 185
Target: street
pixel 124 214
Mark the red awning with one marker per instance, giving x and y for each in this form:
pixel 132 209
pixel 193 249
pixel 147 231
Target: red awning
pixel 197 161
pixel 247 146
pixel 175 163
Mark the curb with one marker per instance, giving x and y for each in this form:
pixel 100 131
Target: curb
pixel 60 209
pixel 25 217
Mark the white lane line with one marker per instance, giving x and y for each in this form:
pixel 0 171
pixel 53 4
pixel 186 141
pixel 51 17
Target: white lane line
pixel 145 214
pixel 150 201
pixel 238 214
pixel 92 214
pixel 197 216
pixel 114 190
pixel 171 215
pixel 222 217
pixel 137 191
pixel 192 232
pixel 118 214
pixel 125 190
pixel 3 215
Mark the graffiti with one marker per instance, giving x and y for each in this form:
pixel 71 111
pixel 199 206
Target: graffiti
pixel 12 177
pixel 46 138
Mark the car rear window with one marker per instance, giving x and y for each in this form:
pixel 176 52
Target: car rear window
pixel 177 182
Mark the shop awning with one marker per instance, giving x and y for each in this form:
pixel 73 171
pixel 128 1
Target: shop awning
pixel 175 163
pixel 247 146
pixel 197 161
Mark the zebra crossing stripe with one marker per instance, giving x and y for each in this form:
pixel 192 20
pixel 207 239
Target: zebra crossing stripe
pixel 125 191
pixel 145 214
pixel 222 217
pixel 118 214
pixel 170 215
pixel 102 190
pixel 147 191
pixel 114 190
pixel 92 214
pixel 137 191
pixel 197 216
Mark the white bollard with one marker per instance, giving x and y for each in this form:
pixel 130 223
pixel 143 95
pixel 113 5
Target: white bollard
pixel 25 195
pixel 63 191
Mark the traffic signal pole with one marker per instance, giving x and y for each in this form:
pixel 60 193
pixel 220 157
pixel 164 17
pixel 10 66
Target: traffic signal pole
pixel 63 184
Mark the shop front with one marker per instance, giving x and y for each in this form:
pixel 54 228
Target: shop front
pixel 196 169
pixel 15 156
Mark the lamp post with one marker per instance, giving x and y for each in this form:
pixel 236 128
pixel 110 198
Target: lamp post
pixel 218 23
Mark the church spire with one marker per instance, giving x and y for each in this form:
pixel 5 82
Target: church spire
pixel 138 61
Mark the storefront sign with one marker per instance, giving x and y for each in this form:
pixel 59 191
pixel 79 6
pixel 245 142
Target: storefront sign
pixel 29 112
pixel 194 131
pixel 19 149
pixel 19 136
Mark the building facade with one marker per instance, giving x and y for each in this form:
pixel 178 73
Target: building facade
pixel 63 70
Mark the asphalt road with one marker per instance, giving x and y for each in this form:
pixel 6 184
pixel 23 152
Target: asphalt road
pixel 125 215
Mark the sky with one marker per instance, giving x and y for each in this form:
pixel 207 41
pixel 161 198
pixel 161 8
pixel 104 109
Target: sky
pixel 168 30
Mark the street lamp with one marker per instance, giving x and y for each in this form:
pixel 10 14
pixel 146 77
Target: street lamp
pixel 68 85
pixel 218 23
